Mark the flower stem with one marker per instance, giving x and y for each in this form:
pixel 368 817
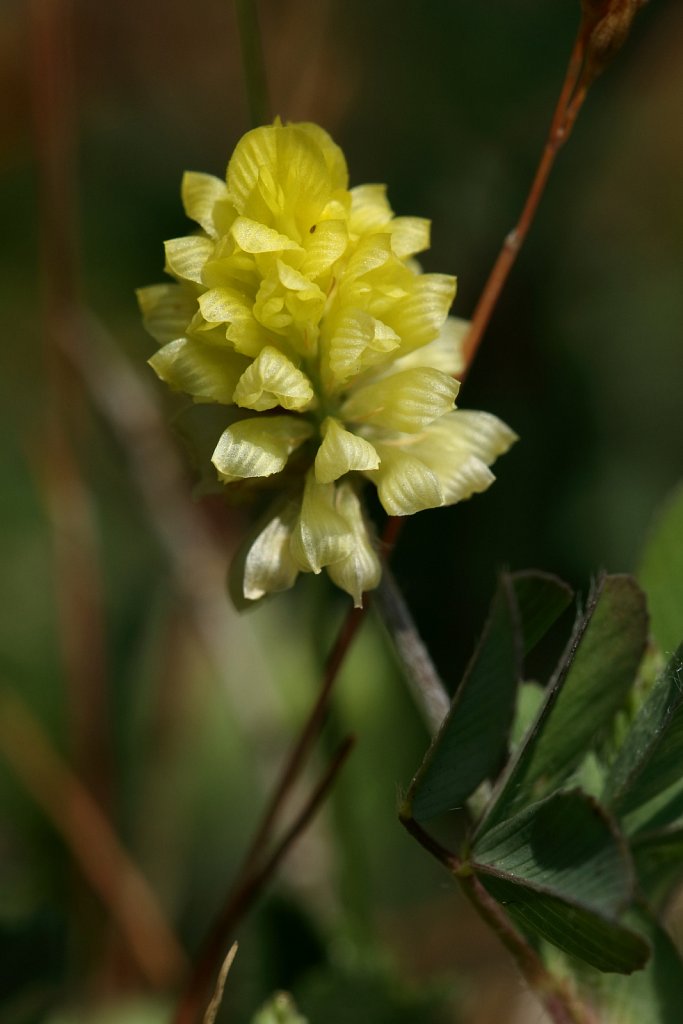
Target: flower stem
pixel 560 1004
pixel 252 60
pixel 572 95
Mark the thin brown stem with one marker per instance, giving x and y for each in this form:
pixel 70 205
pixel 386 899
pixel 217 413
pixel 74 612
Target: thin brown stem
pixel 254 879
pixel 560 1004
pixel 103 862
pixel 561 125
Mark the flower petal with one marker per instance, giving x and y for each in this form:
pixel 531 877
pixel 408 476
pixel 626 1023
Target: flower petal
pixel 200 194
pixel 259 446
pixel 407 401
pixel 273 379
pixel 370 210
pixel 269 566
pixel 322 535
pixel 328 240
pixel 207 372
pixel 409 235
pixel 358 341
pixel 185 257
pixel 460 447
pixel 404 483
pixel 419 317
pixel 361 569
pixel 341 452
pixel 253 237
pixel 444 353
pixel 166 309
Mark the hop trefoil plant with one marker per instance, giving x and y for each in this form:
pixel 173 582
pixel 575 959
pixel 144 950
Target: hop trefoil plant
pixel 299 304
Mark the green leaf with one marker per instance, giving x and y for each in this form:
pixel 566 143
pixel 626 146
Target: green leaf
pixel 661 574
pixel 565 846
pixel 651 996
pixel 589 936
pixel 649 761
pixel 589 686
pixel 658 858
pixel 541 598
pixel 472 741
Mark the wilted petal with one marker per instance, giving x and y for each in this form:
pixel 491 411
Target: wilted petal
pixel 404 483
pixel 322 535
pixel 271 380
pixel 269 566
pixel 185 257
pixel 207 372
pixel 406 401
pixel 260 446
pixel 200 194
pixel 341 452
pixel 166 309
pixel 361 570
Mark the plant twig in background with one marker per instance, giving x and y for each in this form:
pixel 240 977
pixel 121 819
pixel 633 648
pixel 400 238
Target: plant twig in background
pixel 255 876
pixel 603 30
pixel 252 61
pixel 104 863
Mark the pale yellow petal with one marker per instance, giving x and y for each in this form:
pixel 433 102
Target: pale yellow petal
pixel 444 353
pixel 269 566
pixel 253 237
pixel 370 210
pixel 259 446
pixel 358 341
pixel 322 535
pixel 200 194
pixel 207 372
pixel 185 257
pixel 459 448
pixel 404 483
pixel 409 235
pixel 406 401
pixel 166 309
pixel 332 154
pixel 326 244
pixel 361 570
pixel 271 380
pixel 342 452
pixel 255 150
pixel 419 317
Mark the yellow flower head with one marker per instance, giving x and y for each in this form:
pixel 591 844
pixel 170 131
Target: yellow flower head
pixel 299 304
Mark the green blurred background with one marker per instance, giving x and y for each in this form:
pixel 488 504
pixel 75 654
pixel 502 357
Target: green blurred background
pixel 116 633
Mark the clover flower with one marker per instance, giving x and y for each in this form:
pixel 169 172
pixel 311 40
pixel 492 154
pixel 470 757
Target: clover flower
pixel 299 304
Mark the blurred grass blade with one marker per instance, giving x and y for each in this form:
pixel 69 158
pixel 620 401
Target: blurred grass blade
pixel 650 759
pixel 661 574
pixel 590 685
pixel 472 742
pixel 564 846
